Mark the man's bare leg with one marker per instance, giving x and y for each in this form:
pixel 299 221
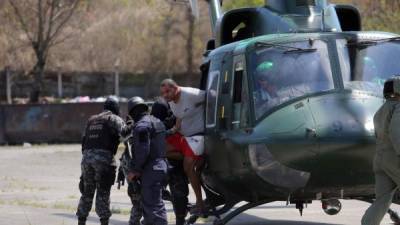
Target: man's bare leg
pixel 194 178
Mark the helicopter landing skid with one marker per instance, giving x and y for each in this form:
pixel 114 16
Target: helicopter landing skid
pixel 230 216
pixel 212 212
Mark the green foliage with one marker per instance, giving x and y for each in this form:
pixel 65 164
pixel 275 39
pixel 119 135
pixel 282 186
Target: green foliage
pixel 232 4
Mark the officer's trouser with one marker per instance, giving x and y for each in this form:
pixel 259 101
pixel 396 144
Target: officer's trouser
pixel 387 178
pixel 96 177
pixel 178 185
pixel 137 209
pixel 154 212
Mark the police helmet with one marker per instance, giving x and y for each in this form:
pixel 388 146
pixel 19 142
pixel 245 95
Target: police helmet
pixel 135 102
pixel 391 87
pixel 160 109
pixel 112 104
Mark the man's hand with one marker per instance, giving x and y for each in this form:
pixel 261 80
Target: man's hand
pixel 178 124
pixel 133 176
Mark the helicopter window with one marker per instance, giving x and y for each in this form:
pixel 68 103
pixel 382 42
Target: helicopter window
pixel 367 66
pixel 240 96
pixel 212 98
pixel 237 91
pixel 280 75
pixel 241 32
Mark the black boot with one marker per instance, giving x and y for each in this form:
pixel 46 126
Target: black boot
pixel 81 221
pixel 180 221
pixel 104 221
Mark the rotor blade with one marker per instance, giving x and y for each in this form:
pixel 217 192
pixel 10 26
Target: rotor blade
pixel 194 5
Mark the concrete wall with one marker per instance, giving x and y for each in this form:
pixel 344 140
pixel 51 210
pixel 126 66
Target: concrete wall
pixel 2 137
pixel 52 123
pixel 93 84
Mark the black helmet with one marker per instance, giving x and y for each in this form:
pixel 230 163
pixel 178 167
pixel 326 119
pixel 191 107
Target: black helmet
pixel 134 102
pixel 112 104
pixel 160 109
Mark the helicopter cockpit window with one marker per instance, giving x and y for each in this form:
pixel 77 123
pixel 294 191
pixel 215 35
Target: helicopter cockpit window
pixel 367 64
pixel 212 98
pixel 286 71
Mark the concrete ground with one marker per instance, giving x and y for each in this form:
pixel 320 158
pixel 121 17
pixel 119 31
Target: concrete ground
pixel 39 186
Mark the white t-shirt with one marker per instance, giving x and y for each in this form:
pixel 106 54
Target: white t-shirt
pixel 190 109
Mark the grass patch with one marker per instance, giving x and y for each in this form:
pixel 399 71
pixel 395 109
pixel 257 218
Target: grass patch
pixel 72 197
pixel 14 184
pixel 120 211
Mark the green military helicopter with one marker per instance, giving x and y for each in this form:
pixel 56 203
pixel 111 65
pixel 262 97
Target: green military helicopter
pixel 292 88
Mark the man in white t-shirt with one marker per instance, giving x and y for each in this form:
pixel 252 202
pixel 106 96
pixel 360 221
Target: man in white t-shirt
pixel 187 105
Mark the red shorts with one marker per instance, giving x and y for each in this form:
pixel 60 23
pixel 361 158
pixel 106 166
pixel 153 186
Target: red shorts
pixel 179 143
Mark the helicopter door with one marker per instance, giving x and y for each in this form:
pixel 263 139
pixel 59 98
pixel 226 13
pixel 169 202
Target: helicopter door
pixel 239 91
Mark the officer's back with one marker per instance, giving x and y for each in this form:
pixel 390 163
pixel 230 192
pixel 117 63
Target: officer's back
pixel 151 132
pixel 99 145
pixel 148 163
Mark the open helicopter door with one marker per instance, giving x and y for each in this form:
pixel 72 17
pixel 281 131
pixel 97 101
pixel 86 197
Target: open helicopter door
pixel 232 116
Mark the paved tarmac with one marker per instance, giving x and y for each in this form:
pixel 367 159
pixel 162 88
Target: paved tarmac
pixel 39 186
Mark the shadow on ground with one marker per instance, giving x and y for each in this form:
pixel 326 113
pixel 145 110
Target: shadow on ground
pixel 243 219
pixel 91 219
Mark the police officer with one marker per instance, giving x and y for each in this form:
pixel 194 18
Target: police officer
pixel 99 145
pixel 133 186
pixel 387 157
pixel 177 179
pixel 148 162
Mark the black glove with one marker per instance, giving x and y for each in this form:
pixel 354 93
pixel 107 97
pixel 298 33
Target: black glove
pixel 120 178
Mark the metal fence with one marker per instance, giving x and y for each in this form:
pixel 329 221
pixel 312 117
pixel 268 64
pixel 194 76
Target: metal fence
pixel 52 123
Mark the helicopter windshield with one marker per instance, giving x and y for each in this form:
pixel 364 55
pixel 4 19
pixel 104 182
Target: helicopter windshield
pixel 366 66
pixel 280 74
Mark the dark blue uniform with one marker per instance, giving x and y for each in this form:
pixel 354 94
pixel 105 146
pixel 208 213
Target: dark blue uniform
pixel 177 179
pixel 178 184
pixel 149 160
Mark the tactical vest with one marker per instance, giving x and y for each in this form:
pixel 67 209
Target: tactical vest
pixel 100 135
pixel 157 132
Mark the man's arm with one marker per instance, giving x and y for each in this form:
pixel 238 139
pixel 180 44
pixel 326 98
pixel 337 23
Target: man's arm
pixel 141 140
pixel 394 129
pixel 84 136
pixel 199 98
pixel 121 128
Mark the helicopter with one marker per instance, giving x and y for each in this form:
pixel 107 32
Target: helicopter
pixel 291 91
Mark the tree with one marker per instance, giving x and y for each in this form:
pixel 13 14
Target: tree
pixel 43 23
pixel 232 4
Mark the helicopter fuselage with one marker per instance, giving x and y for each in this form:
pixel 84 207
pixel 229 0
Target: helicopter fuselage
pixel 315 144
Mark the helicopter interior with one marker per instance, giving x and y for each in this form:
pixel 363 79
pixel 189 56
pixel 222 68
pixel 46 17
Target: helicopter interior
pixel 367 67
pixel 240 26
pixel 275 83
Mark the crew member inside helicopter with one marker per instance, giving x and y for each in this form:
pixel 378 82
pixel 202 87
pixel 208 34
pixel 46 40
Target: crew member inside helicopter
pixel 266 94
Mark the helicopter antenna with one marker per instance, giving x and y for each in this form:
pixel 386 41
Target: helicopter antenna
pixel 215 12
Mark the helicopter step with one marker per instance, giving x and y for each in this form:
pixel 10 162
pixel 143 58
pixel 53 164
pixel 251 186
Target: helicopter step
pixel 217 213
